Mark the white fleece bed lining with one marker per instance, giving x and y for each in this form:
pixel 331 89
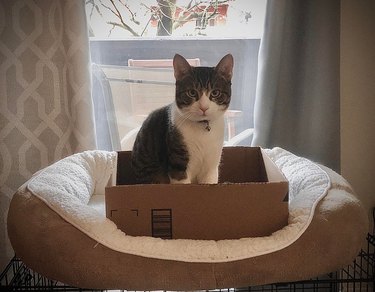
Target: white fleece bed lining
pixel 67 186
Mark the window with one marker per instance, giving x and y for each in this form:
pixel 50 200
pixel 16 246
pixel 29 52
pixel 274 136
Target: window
pixel 132 44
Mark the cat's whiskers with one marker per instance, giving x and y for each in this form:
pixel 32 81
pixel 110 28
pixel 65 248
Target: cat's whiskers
pixel 184 117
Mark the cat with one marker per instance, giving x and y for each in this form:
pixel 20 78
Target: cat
pixel 182 142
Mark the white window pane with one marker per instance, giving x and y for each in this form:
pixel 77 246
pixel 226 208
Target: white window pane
pixel 124 94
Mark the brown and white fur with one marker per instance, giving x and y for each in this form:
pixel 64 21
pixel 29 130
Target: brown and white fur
pixel 182 142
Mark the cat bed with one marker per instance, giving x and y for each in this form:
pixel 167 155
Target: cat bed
pixel 57 226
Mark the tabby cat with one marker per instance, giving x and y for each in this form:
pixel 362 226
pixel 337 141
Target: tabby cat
pixel 182 142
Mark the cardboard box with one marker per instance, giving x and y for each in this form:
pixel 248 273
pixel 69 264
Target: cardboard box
pixel 250 200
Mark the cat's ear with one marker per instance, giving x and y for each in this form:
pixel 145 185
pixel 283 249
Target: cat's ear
pixel 181 67
pixel 225 67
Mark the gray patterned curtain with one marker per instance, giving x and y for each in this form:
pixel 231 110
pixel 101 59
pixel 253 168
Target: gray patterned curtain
pixel 45 103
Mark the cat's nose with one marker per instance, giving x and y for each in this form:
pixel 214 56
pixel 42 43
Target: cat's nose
pixel 203 109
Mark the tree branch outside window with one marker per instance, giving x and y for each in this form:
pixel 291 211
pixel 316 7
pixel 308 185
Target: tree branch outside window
pixel 167 15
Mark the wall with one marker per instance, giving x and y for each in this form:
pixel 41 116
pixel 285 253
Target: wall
pixel 358 97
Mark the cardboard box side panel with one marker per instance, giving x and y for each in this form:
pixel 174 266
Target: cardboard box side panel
pixel 237 218
pixel 262 169
pixel 125 175
pixel 122 207
pixel 242 164
pixel 255 211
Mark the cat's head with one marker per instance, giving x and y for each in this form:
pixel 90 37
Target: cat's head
pixel 203 93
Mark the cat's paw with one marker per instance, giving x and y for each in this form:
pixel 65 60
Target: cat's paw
pixel 182 181
pixel 209 178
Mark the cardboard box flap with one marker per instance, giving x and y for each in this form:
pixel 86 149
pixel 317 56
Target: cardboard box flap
pixel 273 172
pixel 242 165
pixel 125 174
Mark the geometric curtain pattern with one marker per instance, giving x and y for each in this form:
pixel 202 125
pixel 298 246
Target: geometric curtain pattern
pixel 45 100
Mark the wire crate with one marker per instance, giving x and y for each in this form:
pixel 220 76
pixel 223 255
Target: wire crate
pixel 359 276
pixel 18 277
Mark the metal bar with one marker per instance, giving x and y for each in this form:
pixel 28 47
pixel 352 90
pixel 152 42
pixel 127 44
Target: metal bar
pixel 141 81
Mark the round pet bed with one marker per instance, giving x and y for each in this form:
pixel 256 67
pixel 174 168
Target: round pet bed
pixel 57 226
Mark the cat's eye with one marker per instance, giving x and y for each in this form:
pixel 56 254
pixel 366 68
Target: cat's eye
pixel 192 93
pixel 215 93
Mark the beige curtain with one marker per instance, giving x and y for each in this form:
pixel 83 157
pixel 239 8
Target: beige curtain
pixel 45 103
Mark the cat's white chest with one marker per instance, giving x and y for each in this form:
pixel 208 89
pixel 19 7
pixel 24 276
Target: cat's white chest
pixel 204 146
